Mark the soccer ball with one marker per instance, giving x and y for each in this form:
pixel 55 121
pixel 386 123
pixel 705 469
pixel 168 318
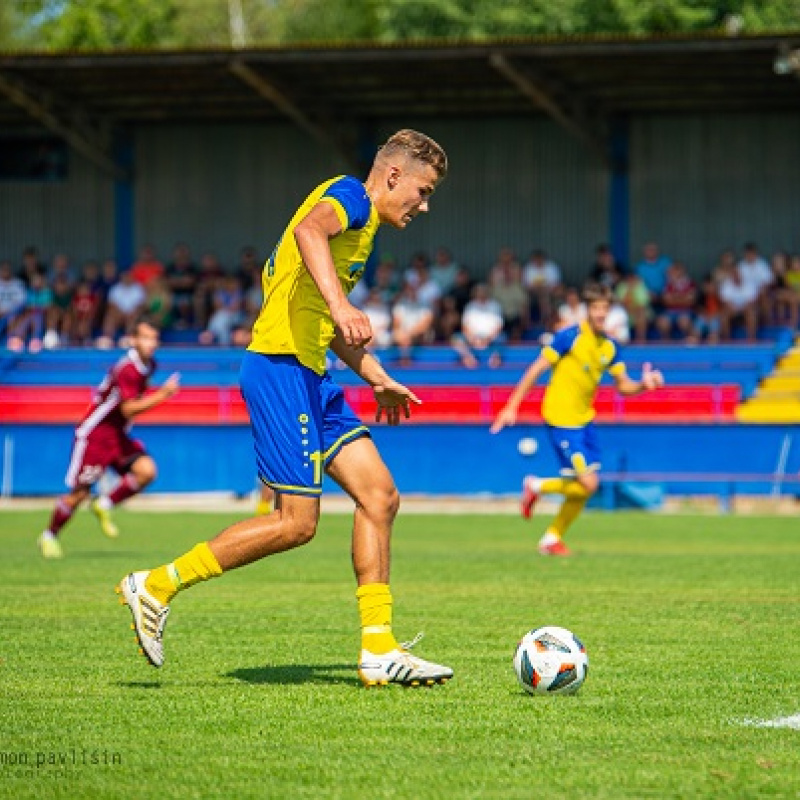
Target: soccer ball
pixel 551 660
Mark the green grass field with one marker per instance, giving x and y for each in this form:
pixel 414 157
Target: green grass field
pixel 691 624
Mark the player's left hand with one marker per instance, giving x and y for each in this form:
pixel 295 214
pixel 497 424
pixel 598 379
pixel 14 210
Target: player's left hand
pixel 394 398
pixel 651 378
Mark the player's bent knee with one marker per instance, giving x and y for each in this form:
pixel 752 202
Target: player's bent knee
pixel 144 470
pixel 382 502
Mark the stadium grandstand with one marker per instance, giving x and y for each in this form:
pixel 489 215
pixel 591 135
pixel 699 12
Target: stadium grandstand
pixel 158 182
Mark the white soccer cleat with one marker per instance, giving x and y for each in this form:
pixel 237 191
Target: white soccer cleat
pixel 400 666
pixel 149 616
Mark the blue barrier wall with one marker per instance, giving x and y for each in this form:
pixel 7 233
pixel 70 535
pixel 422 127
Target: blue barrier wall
pixel 430 459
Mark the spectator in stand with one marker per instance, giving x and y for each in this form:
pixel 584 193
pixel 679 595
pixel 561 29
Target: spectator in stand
pixel 679 299
pixel 739 304
pixel 387 280
pixel 541 277
pixel 618 324
pixel 652 269
pixel 708 312
pixel 756 272
pixel 31 266
pixel 108 277
pixel 428 292
pixel 181 276
pixel 31 327
pixel 59 315
pixel 571 312
pixel 160 304
pixel 13 311
pixel 606 270
pixel 412 322
pixel 148 266
pixel 250 267
pixel 462 290
pixel 61 267
pixel 210 273
pixel 505 257
pixel 380 318
pixel 632 295
pixel 510 294
pixel 253 300
pixel 228 312
pixel 783 299
pixel 481 328
pixel 86 304
pixel 448 321
pixel 444 270
pixel 792 278
pixel 126 299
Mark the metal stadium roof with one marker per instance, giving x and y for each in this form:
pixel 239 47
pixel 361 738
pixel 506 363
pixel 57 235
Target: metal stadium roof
pixel 582 83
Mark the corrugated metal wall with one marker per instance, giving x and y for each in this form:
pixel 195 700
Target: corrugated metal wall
pixel 700 184
pixel 517 182
pixel 512 182
pixel 220 187
pixel 74 216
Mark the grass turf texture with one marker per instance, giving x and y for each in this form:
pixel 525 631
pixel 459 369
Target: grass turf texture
pixel 690 623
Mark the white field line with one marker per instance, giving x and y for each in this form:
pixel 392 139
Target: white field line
pixel 779 722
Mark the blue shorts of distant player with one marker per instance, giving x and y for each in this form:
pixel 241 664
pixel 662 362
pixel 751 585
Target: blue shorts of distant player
pixel 577 449
pixel 299 419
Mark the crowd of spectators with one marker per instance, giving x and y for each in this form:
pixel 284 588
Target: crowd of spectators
pixel 428 300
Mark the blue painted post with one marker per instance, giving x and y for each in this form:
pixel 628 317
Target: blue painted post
pixel 619 201
pixel 124 204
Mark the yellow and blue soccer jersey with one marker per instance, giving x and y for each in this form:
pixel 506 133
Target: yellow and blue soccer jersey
pixel 294 319
pixel 579 358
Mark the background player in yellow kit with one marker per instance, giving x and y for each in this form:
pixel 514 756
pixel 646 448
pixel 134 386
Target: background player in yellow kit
pixel 579 356
pixel 302 426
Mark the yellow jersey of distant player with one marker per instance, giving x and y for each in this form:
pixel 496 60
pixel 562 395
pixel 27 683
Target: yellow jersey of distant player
pixel 294 319
pixel 579 357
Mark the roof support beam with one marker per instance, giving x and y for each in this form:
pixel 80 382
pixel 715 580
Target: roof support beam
pixel 269 92
pixel 79 132
pixel 543 99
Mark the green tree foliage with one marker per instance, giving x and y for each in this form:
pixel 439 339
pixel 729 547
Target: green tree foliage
pixel 96 24
pixel 102 24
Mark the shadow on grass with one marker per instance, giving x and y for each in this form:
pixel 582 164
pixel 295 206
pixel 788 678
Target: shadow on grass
pixel 139 684
pixel 296 673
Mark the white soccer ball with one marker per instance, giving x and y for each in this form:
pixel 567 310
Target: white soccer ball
pixel 551 660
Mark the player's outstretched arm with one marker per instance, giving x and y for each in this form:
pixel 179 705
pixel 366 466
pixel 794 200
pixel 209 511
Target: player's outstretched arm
pixel 508 414
pixel 130 408
pixel 312 234
pixel 394 400
pixel 651 379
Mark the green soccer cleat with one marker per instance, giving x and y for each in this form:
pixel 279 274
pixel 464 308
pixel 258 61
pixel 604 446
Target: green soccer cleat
pixel 49 546
pixel 104 518
pixel 399 666
pixel 149 616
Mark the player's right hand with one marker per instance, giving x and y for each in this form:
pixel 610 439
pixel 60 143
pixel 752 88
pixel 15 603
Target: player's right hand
pixel 172 384
pixel 506 418
pixel 354 324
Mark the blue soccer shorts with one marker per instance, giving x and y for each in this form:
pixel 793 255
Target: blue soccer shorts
pixel 300 421
pixel 577 449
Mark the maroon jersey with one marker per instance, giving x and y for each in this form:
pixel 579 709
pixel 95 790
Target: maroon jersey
pixel 126 380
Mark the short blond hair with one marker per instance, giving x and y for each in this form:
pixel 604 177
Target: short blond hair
pixel 418 146
pixel 595 293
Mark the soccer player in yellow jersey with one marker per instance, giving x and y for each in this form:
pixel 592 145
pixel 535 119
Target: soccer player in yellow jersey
pixel 302 427
pixel 579 356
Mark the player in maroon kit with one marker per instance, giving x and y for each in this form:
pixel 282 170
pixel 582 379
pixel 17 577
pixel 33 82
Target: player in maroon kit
pixel 102 439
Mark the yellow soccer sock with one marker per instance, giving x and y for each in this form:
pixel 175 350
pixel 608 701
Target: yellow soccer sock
pixel 199 564
pixel 567 514
pixel 569 487
pixel 375 609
